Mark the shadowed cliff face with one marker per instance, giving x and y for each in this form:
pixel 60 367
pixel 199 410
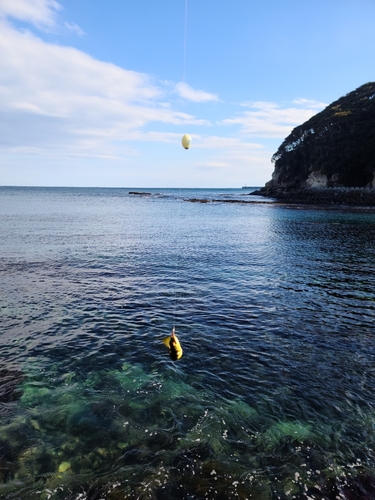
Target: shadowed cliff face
pixel 335 148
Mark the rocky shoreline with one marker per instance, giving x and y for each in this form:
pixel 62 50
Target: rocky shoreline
pixel 352 196
pixel 334 148
pixel 328 196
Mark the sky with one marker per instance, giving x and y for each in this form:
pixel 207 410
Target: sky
pixel 97 93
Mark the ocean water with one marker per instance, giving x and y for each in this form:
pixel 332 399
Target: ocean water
pixel 274 306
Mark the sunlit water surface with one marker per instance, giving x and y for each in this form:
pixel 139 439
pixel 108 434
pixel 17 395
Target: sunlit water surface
pixel 274 307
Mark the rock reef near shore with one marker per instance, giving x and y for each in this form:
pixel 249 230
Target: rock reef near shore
pixel 331 157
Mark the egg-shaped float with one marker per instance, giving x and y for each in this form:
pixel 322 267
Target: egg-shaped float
pixel 186 141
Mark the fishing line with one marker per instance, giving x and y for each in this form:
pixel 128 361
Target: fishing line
pixel 176 227
pixel 185 38
pixel 178 199
pixel 177 214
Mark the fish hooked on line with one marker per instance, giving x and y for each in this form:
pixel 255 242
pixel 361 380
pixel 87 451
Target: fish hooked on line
pixel 174 346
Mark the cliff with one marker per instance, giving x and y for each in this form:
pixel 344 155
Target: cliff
pixel 330 154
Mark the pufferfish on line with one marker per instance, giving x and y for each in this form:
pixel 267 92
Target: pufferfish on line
pixel 174 346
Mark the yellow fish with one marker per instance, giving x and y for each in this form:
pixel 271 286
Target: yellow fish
pixel 173 344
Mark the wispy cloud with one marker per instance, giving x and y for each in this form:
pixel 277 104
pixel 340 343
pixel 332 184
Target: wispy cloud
pixel 40 13
pixel 59 104
pixel 310 103
pixel 51 95
pixel 187 92
pixel 227 143
pixel 74 28
pixel 270 120
pixel 228 154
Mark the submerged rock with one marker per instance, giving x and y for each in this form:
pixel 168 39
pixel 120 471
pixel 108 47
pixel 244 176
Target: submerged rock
pixel 276 434
pixel 198 200
pixel 64 466
pixel 7 461
pixel 191 457
pixel 82 423
pixel 9 385
pixel 361 487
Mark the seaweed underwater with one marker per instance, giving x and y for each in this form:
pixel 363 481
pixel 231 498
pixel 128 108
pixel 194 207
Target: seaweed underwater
pixel 155 436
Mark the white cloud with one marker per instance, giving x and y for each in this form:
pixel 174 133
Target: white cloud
pixel 269 120
pixel 260 104
pixel 238 161
pixel 61 108
pixel 227 143
pixel 213 158
pixel 187 92
pixel 52 95
pixel 310 103
pixel 40 13
pixel 74 28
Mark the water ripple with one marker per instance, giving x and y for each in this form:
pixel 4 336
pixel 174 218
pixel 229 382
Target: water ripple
pixel 275 311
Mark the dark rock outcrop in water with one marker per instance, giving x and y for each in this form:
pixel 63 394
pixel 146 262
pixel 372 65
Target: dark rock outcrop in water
pixel 324 159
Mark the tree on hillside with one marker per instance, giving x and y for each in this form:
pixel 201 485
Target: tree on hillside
pixel 338 142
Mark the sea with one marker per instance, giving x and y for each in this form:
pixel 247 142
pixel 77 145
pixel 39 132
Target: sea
pixel 274 307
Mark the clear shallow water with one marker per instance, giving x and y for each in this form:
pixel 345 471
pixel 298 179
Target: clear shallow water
pixel 274 307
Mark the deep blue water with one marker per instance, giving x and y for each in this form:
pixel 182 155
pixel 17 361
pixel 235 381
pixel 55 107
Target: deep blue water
pixel 274 306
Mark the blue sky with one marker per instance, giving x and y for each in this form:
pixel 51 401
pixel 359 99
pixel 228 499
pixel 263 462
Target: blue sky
pixel 97 93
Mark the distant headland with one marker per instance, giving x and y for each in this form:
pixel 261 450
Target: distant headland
pixel 329 159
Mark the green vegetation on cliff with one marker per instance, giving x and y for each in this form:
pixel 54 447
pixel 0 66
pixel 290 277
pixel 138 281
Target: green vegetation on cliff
pixel 336 145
